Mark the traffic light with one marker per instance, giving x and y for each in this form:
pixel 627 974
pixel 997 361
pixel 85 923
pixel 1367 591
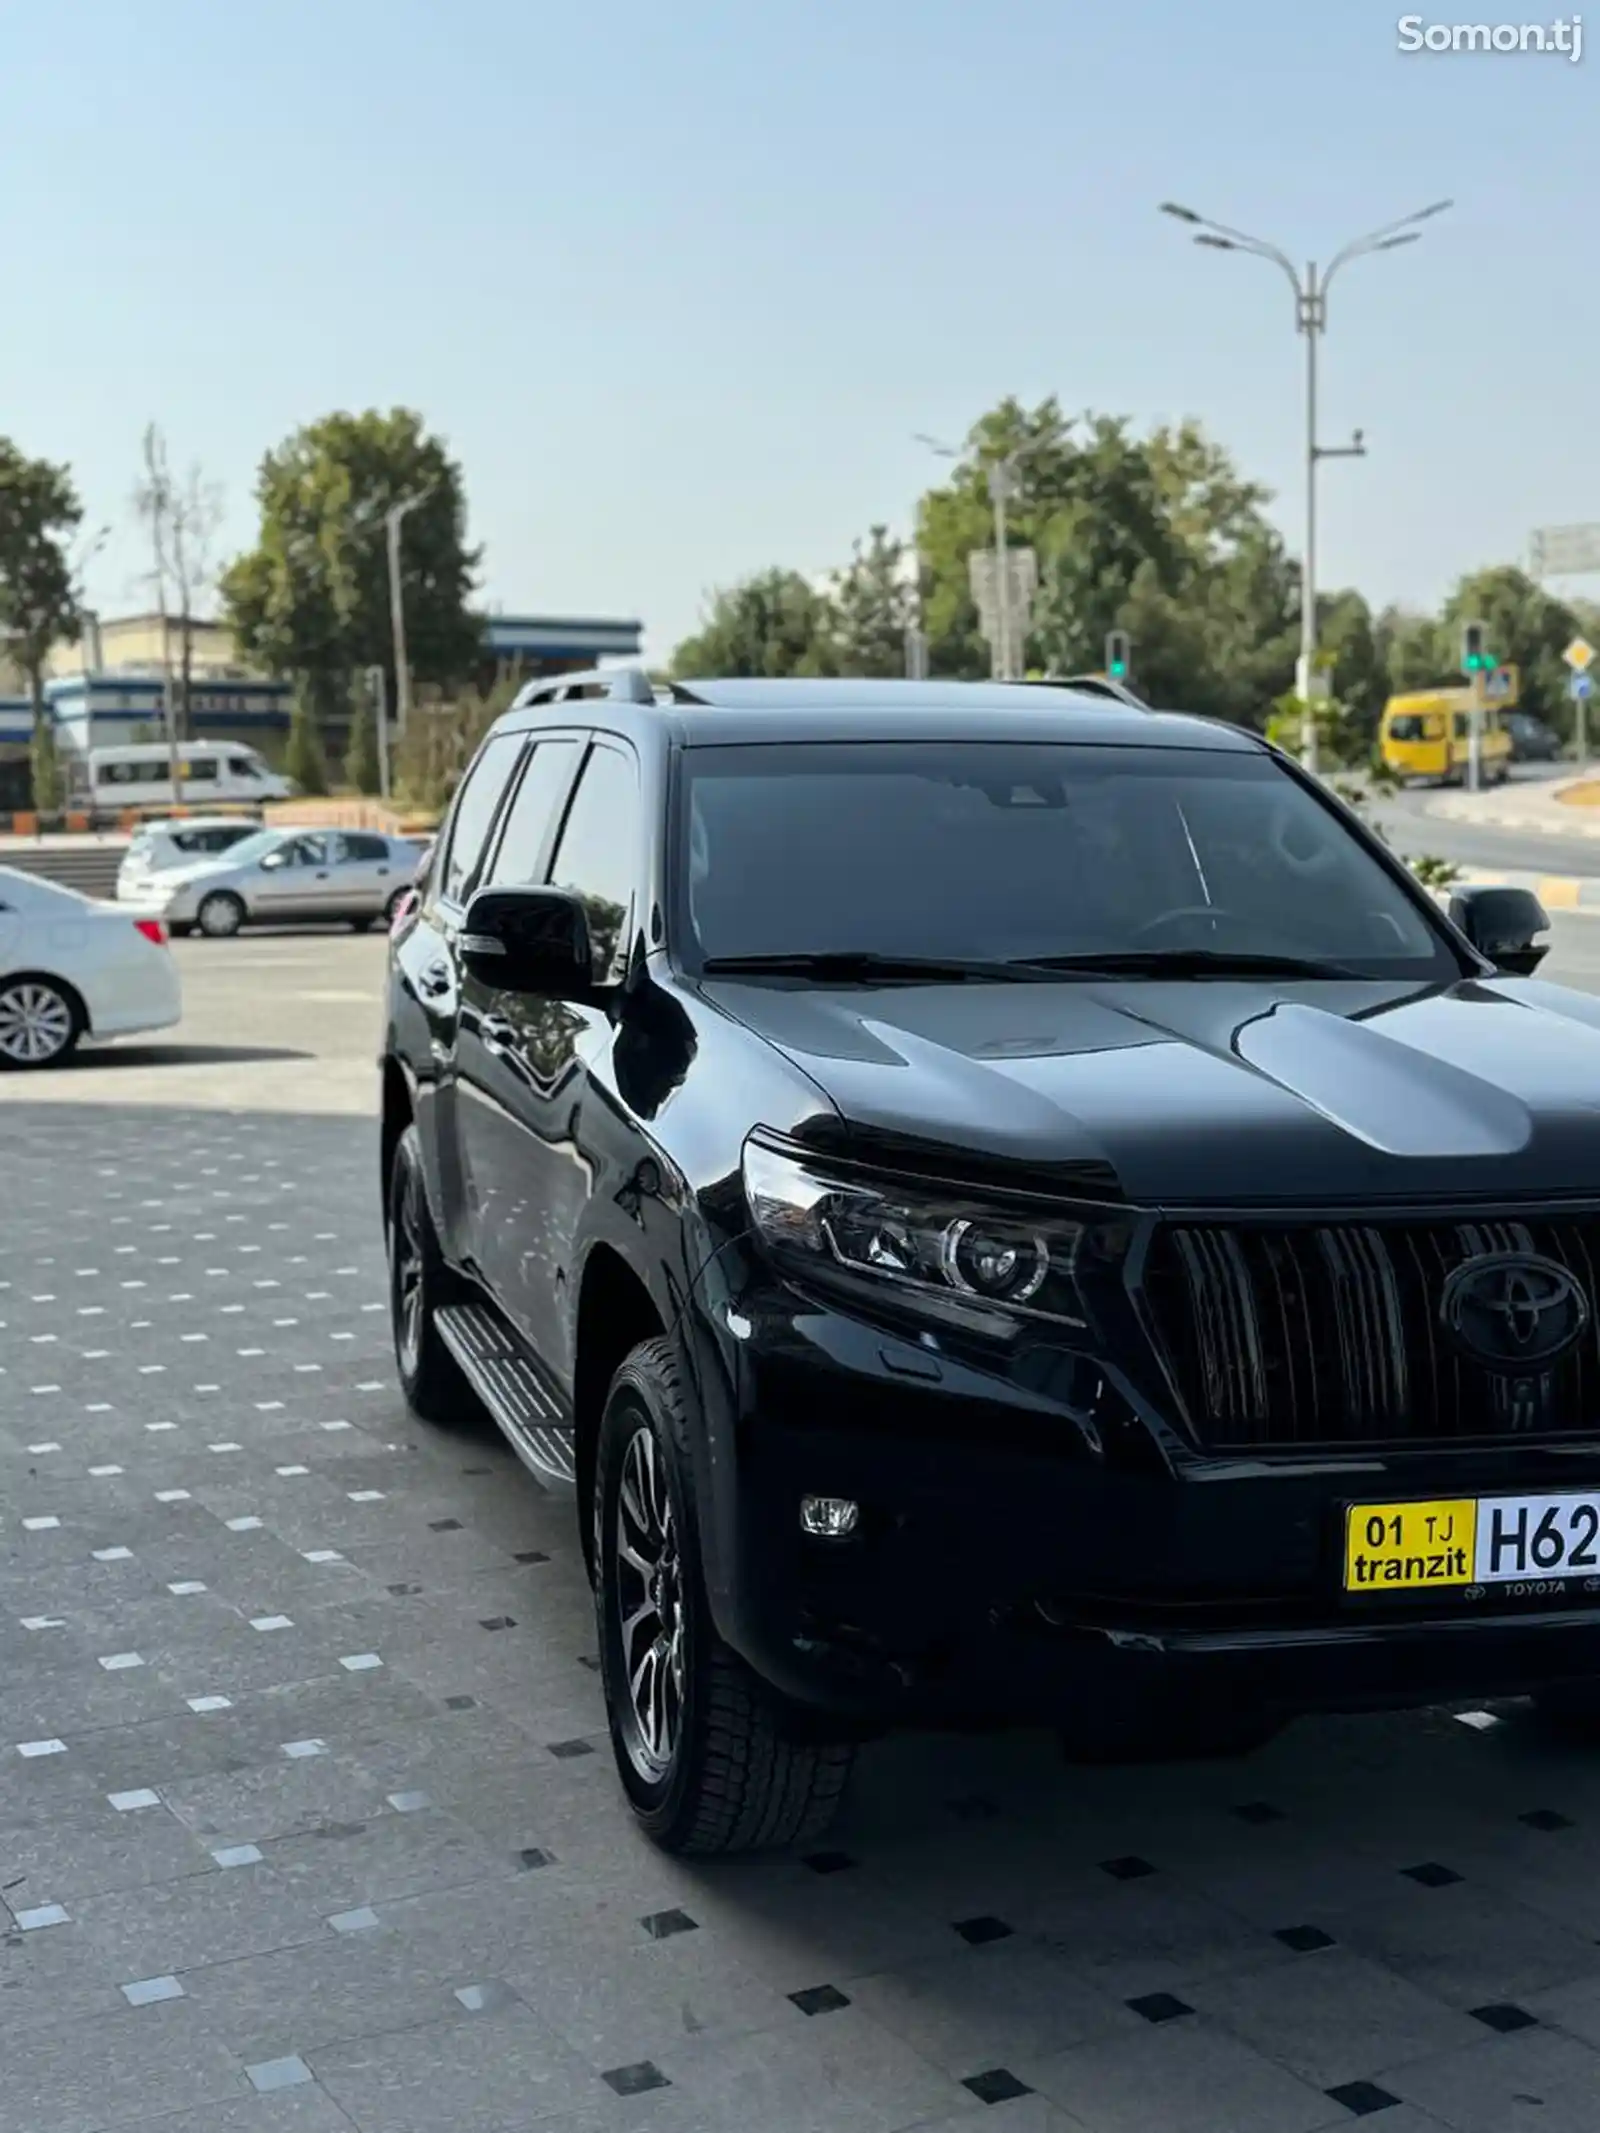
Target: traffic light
pixel 1476 658
pixel 1118 650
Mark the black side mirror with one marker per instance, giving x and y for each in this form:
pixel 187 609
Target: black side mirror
pixel 1501 924
pixel 528 940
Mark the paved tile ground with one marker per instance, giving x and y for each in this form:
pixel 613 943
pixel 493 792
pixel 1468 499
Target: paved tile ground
pixel 298 1833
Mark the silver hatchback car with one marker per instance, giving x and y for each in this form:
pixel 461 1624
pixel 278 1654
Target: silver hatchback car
pixel 285 877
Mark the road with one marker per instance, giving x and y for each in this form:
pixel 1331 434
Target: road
pixel 1412 830
pixel 305 1787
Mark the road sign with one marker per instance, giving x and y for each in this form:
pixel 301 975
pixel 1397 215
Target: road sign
pixel 1500 686
pixel 1579 655
pixel 1580 686
pixel 1565 551
pixel 1022 585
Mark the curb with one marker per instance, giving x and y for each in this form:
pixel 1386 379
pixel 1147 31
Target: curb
pixel 1570 824
pixel 1557 892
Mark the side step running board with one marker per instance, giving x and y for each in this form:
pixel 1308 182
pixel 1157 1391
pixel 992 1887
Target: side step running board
pixel 495 1365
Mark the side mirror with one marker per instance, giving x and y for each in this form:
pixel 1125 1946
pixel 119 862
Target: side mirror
pixel 528 940
pixel 1501 924
pixel 272 859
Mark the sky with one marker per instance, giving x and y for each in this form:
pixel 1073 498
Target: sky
pixel 679 285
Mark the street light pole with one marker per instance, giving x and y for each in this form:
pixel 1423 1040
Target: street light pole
pixel 1002 479
pixel 1311 319
pixel 393 520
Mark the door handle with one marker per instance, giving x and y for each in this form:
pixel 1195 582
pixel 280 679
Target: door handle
pixel 497 1033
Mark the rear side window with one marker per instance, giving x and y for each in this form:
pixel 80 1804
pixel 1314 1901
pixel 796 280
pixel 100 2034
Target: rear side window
pixel 475 809
pixel 532 813
pixel 362 845
pixel 598 856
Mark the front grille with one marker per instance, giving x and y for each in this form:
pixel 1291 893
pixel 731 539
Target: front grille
pixel 1289 1336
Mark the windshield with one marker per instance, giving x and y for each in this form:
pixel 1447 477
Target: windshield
pixel 248 849
pixel 1017 851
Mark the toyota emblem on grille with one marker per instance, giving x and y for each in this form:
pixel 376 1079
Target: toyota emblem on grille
pixel 1514 1311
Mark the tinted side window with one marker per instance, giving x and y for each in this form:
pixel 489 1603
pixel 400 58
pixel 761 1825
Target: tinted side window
pixel 475 810
pixel 598 856
pixel 532 814
pixel 363 845
pixel 203 772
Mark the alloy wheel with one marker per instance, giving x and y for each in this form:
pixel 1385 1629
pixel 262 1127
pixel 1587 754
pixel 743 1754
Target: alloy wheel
pixel 35 1023
pixel 220 917
pixel 651 1611
pixel 406 1246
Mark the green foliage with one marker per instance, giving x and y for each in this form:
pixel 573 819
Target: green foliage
pixel 39 512
pixel 776 623
pixel 362 767
pixel 874 606
pixel 44 761
pixel 303 759
pixel 1433 872
pixel 441 739
pixel 312 597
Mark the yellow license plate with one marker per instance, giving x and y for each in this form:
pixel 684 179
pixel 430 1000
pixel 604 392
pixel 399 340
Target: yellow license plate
pixel 1410 1547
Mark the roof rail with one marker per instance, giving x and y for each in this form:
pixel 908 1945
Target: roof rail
pixel 1094 685
pixel 618 685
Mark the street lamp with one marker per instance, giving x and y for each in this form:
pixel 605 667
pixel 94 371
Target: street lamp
pixel 1003 485
pixel 394 518
pixel 1311 319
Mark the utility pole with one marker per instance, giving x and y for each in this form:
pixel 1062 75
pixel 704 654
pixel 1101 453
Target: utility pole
pixel 1311 319
pixel 393 520
pixel 999 490
pixel 378 683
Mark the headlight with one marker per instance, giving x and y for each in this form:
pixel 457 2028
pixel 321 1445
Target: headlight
pixel 957 1255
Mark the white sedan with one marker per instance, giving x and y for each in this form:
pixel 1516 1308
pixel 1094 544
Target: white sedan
pixel 72 970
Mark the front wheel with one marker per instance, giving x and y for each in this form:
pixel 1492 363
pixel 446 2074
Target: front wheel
pixel 220 915
pixel 711 1759
pixel 419 1280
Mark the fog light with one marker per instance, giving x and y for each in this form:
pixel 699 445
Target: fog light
pixel 832 1518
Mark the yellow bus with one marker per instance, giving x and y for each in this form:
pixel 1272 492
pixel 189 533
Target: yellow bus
pixel 1429 735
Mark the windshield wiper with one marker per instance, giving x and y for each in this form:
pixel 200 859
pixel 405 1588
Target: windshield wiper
pixel 1191 963
pixel 845 964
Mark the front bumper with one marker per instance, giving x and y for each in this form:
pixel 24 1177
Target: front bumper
pixel 1016 1553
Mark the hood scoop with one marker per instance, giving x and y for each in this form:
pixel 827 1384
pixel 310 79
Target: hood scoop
pixel 1398 1100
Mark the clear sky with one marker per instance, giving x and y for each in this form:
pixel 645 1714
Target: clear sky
pixel 678 283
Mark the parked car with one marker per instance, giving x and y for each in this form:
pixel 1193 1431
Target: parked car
pixel 281 877
pixel 73 970
pixel 162 846
pixel 998 1207
pixel 1532 741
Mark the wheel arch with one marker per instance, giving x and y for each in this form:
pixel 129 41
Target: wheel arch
pixel 616 1312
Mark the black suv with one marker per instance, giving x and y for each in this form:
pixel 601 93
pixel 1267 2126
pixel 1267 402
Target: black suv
pixel 1000 1206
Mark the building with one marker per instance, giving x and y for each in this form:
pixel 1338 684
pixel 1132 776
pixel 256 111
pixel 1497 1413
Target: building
pixel 111 687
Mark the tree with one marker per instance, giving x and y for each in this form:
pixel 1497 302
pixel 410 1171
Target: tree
pixel 362 766
pixel 182 518
pixel 776 623
pixel 1158 535
pixel 39 512
pixel 311 599
pixel 874 607
pixel 303 759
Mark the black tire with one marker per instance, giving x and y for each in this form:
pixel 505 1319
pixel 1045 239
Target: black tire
pixel 41 1021
pixel 419 1282
pixel 361 925
pixel 220 915
pixel 742 1771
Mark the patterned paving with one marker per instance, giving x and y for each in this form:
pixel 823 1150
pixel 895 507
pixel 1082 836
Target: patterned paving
pixel 307 1818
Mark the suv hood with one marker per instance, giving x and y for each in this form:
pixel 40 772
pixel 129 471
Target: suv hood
pixel 1216 1091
